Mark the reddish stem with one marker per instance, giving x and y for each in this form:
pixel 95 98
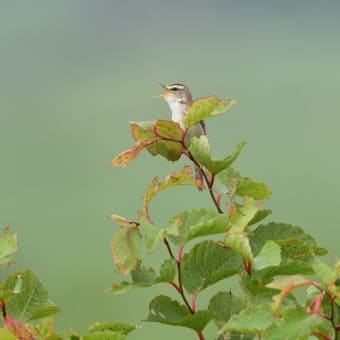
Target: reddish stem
pixel 169 248
pixel 179 286
pixel 193 303
pixel 180 253
pixel 321 335
pixel 174 284
pixel 184 298
pixel 209 183
pixel 247 266
pixel 200 335
pixel 147 215
pixel 3 308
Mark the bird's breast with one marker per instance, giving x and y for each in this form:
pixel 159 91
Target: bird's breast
pixel 177 112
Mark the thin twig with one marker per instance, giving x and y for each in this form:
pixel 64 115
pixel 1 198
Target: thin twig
pixel 200 335
pixel 179 286
pixel 184 298
pixel 169 248
pixel 209 183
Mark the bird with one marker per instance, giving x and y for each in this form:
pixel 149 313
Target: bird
pixel 178 97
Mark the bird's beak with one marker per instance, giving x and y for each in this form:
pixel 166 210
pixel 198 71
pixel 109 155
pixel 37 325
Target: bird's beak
pixel 163 94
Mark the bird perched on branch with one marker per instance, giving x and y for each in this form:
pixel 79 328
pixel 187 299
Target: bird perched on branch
pixel 178 97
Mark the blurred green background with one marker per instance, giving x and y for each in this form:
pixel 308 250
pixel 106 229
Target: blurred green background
pixel 73 73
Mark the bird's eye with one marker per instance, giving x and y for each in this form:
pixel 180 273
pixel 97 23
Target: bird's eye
pixel 174 89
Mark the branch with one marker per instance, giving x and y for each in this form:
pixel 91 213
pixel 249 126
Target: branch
pixel 205 176
pixel 179 286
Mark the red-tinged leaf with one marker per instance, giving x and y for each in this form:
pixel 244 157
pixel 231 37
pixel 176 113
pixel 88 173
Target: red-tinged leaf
pixel 142 130
pixel 184 177
pixel 18 329
pixel 206 107
pixel 287 284
pixel 164 136
pixel 168 129
pixel 315 307
pixel 125 158
pixel 123 221
pixel 125 247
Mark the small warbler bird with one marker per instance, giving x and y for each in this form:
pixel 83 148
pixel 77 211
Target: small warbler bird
pixel 178 97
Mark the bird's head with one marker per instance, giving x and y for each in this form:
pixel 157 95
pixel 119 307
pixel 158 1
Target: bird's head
pixel 176 93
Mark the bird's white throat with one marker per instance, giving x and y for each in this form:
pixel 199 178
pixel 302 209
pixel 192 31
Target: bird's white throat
pixel 177 110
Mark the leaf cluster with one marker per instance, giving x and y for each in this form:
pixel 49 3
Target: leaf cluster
pixel 205 246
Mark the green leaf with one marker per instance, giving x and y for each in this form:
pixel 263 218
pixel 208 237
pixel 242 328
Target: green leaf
pixel 259 216
pixel 154 235
pixel 45 311
pixel 5 334
pixel 183 177
pixel 168 129
pixel 123 287
pixel 45 330
pixel 296 323
pixel 8 246
pixel 255 189
pixel 32 302
pixel 296 249
pixel 125 246
pixel 206 264
pixel 286 267
pixel 164 310
pixel 325 273
pixel 197 223
pixel 200 149
pixel 142 130
pixel 240 244
pixel 240 217
pixel 142 276
pixel 227 180
pixel 172 151
pixel 231 180
pixel 153 132
pixel 223 305
pixel 168 271
pixel 269 256
pixel 255 289
pixel 114 326
pixel 253 319
pixel 104 335
pixel 206 107
pixel 281 231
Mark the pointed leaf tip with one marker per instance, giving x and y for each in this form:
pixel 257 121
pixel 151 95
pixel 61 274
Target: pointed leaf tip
pixel 205 107
pixel 164 310
pixel 201 150
pixel 125 158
